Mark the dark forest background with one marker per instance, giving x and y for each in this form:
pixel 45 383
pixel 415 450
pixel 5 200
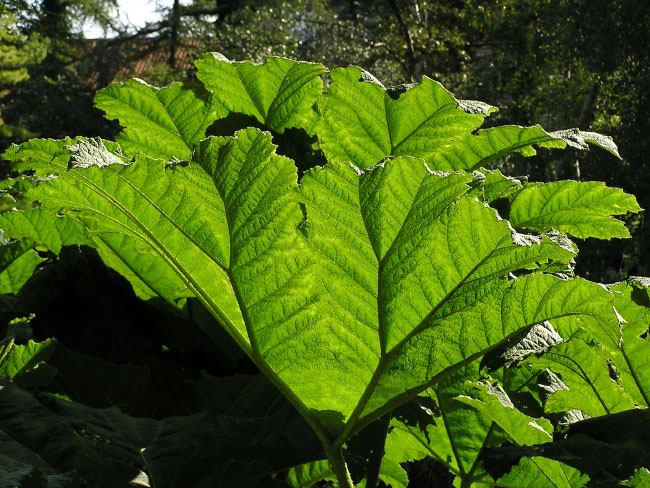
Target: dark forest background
pixel 560 63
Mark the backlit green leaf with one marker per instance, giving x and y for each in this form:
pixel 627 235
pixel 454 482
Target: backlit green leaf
pixel 363 124
pixel 641 479
pixel 279 93
pixel 161 123
pixel 391 287
pixel 126 212
pixel 18 260
pixel 307 475
pixel 539 472
pixel 39 156
pixel 492 185
pixel 492 401
pixel 20 359
pixel 482 149
pixel 582 209
pixel 605 370
pixel 585 370
pixel 375 278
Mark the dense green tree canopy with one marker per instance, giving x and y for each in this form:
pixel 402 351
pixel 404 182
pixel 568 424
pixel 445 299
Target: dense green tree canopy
pixel 17 52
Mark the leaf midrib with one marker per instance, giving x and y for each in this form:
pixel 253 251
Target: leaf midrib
pixel 512 148
pixel 577 369
pixel 386 357
pixel 418 127
pixel 164 253
pixel 255 353
pixel 176 134
pixel 639 384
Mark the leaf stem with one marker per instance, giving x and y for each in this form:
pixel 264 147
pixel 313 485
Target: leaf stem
pixel 4 350
pixel 470 475
pixel 146 466
pixel 339 466
pixel 635 376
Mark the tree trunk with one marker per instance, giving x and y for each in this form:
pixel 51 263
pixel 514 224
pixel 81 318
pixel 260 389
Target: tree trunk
pixel 173 43
pixel 587 113
pixel 53 20
pixel 563 168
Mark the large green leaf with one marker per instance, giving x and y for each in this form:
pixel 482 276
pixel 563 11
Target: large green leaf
pixel 474 151
pixel 482 149
pixel 377 238
pixel 40 156
pixel 605 370
pixel 362 123
pixel 161 123
pixel 372 280
pixel 582 209
pixel 458 419
pixel 18 260
pixel 279 93
pixel 588 377
pixel 372 284
pixel 126 211
pixel 539 472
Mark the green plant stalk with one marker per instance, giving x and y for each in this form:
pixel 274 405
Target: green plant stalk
pixel 470 476
pixel 5 349
pixel 339 466
pixel 146 464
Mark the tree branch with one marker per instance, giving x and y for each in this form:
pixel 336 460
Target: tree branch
pixel 407 36
pixel 393 54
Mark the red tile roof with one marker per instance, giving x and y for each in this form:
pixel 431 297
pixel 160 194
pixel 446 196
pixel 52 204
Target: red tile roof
pixel 108 60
